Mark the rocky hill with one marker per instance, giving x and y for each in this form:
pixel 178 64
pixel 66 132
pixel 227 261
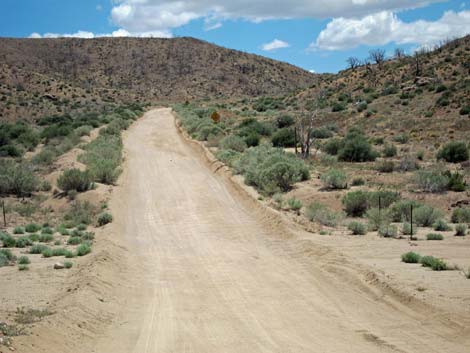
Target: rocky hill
pixel 47 76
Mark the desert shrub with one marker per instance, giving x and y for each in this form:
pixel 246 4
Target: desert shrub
pixel 103 157
pixel 408 230
pixel 294 204
pixel 47 252
pixel 426 216
pixel 46 156
pixel 271 170
pixel 355 203
pixel 389 150
pixel 376 218
pixel 3 260
pixel 400 210
pixel 69 254
pixel 284 121
pixel 75 179
pixel 382 198
pixel 23 268
pixel 461 215
pixel 456 181
pixel 333 146
pixel 431 181
pixel 434 236
pixel 37 249
pixel 357 228
pixel 322 133
pixel 338 107
pixel 228 156
pixel 454 152
pixel 356 148
pixel 335 179
pixel 47 230
pixel 81 227
pixel 83 249
pixel 401 138
pixel 88 236
pixel 465 110
pixel 441 226
pixel 81 212
pixel 33 237
pixel 23 260
pixel 17 179
pixel 7 240
pixel 18 230
pixel 68 265
pixel 234 143
pixel 23 242
pixel 32 228
pixel 434 263
pixel 74 240
pixel 318 212
pixel 385 166
pixel 411 258
pixel 104 218
pixel 279 200
pixel 253 139
pixel 388 231
pixel 45 238
pixel 408 163
pixel 461 230
pixel 251 125
pixel 283 138
pixel 59 252
pixel 358 182
pixel 83 130
pixel 362 106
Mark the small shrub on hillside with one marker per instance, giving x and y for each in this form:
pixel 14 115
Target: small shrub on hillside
pixel 408 230
pixel 408 163
pixel 465 110
pixel 17 179
pixel 7 240
pixel 47 230
pixel 75 179
pixel 434 263
pixel 47 252
pixel 355 203
pixel 104 218
pixel 37 249
pixel 441 226
pixel 68 265
pixel 234 143
pixel 228 156
pixel 23 242
pixel 252 140
pixel 454 152
pixel 317 212
pixel 322 133
pixel 356 148
pixel 388 231
pixel 333 146
pixel 45 238
pixel 18 230
pixel 83 249
pixel 357 228
pixel 456 181
pixel 81 212
pixel 358 182
pixel 401 138
pixel 284 121
pixel 400 211
pixel 390 151
pixel 74 240
pixel 426 216
pixel 294 204
pixel 59 252
pixel 382 198
pixel 6 257
pixel 411 258
pixel 434 236
pixel 461 230
pixel 32 228
pixel 461 215
pixel 23 260
pixel 431 181
pixel 335 179
pixel 385 166
pixel 376 218
pixel 284 138
pixel 338 107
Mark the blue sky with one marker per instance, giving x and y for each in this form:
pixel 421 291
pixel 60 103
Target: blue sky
pixel 314 34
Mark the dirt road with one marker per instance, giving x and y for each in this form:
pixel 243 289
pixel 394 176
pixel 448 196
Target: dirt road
pixel 214 275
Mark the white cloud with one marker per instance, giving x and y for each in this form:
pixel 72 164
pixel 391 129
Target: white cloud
pixel 312 71
pixel 385 27
pixel 157 15
pixel 275 44
pixel 118 33
pixel 34 35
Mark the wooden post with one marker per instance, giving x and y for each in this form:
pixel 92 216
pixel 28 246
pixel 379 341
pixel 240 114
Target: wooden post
pixel 411 222
pixel 4 214
pixel 380 211
pixel 295 140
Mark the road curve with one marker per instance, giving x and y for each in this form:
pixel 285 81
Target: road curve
pixel 212 276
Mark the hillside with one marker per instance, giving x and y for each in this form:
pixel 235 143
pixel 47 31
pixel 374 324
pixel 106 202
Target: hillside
pixel 47 76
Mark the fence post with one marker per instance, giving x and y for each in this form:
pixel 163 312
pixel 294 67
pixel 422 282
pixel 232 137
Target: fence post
pixel 295 140
pixel 380 210
pixel 411 222
pixel 4 214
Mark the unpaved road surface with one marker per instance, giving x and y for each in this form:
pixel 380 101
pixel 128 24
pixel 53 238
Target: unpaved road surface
pixel 215 274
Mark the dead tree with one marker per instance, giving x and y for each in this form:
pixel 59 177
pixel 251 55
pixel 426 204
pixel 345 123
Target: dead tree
pixel 399 53
pixel 378 56
pixel 304 128
pixel 353 62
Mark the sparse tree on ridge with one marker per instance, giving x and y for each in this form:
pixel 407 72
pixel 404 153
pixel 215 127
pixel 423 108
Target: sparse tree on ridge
pixel 353 62
pixel 377 56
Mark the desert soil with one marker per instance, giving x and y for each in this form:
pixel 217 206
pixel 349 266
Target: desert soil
pixel 193 263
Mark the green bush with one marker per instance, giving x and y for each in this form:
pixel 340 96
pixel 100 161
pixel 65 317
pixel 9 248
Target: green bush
pixel 408 230
pixel 59 252
pixel 385 166
pixel 356 148
pixel 357 228
pixel 7 240
pixel 456 181
pixel 338 107
pixel 234 143
pixel 294 204
pixel 454 152
pixel 37 249
pixel 386 198
pixel 284 138
pixel 81 212
pixel 465 110
pixel 434 236
pixel 358 182
pixel 23 267
pixel 461 215
pixel 401 138
pixel 23 242
pixel 426 216
pixel 75 179
pixel 32 228
pixel 333 146
pixel 388 231
pixel 45 238
pixel 284 121
pixel 441 226
pixel 355 203
pixel 104 218
pixel 376 218
pixel 47 252
pixel 322 133
pixel 83 249
pixel 408 163
pixel 461 230
pixel 23 260
pixel 68 264
pixel 81 227
pixel 335 179
pixel 317 212
pixel 400 211
pixel 252 140
pixel 434 263
pixel 390 151
pixel 74 240
pixel 228 156
pixel 431 181
pixel 17 179
pixel 18 230
pixel 47 230
pixel 411 258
